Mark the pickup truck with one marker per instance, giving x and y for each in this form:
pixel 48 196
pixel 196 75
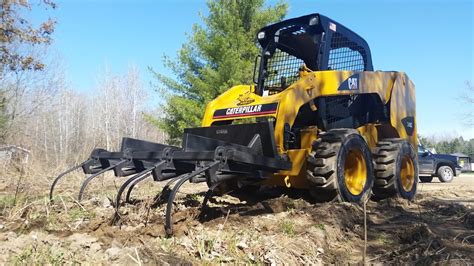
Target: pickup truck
pixel 443 166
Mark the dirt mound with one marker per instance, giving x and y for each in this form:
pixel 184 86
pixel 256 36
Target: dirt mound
pixel 414 234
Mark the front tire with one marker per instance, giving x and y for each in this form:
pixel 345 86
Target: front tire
pixel 340 166
pixel 445 174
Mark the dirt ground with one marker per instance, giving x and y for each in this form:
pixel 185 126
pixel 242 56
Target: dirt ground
pixel 267 227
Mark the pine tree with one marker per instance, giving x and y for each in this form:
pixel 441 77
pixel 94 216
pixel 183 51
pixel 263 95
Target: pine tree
pixel 216 57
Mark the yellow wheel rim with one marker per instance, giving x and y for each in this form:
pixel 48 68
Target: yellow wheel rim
pixel 407 173
pixel 355 172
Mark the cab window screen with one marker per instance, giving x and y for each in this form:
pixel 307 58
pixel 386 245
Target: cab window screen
pixel 345 54
pixel 282 69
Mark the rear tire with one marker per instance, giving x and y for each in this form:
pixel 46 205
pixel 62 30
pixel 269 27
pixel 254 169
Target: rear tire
pixel 396 169
pixel 426 179
pixel 340 166
pixel 445 174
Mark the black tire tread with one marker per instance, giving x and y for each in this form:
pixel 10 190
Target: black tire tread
pixel 384 184
pixel 322 162
pixel 385 157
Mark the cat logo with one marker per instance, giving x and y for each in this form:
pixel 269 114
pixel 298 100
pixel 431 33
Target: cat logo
pixel 353 83
pixel 245 99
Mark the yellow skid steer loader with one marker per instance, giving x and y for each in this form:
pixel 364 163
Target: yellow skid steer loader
pixel 318 118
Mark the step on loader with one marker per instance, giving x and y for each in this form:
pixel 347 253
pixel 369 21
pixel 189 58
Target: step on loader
pixel 317 118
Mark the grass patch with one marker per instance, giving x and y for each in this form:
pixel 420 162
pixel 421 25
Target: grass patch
pixel 383 238
pixel 77 214
pixel 320 226
pixel 290 205
pixel 36 256
pixel 7 201
pixel 167 244
pixel 288 227
pixel 193 200
pixel 205 246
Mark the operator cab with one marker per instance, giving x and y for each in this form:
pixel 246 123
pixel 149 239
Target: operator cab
pixel 294 47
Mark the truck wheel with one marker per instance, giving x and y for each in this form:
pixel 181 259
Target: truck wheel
pixel 340 166
pixel 396 169
pixel 426 179
pixel 445 174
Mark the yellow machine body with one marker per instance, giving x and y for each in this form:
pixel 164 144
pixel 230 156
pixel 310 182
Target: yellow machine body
pixel 394 89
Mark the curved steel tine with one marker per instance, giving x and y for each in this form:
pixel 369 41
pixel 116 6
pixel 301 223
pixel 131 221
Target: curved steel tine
pixel 60 176
pixel 181 180
pixel 166 189
pixel 84 184
pixel 171 182
pixel 135 182
pixel 207 197
pixel 143 173
pixel 169 206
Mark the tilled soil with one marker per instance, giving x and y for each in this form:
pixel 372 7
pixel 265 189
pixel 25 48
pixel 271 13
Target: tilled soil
pixel 269 226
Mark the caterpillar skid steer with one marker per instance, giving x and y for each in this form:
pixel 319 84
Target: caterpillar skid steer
pixel 318 118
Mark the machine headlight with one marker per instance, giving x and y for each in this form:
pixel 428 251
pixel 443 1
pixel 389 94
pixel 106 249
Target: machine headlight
pixel 313 21
pixel 261 35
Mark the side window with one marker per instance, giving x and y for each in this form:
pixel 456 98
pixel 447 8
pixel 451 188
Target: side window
pixel 282 70
pixel 421 150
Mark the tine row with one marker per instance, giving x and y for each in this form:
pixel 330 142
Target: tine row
pixel 96 167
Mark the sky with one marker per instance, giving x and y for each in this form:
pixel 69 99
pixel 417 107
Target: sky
pixel 432 41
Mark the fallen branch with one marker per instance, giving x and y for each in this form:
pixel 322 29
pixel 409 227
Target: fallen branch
pixel 428 248
pixel 440 250
pixel 23 208
pixel 136 260
pixel 46 202
pixel 467 237
pixel 394 252
pixel 216 240
pixel 365 233
pixel 456 236
pixel 64 204
pixel 78 203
